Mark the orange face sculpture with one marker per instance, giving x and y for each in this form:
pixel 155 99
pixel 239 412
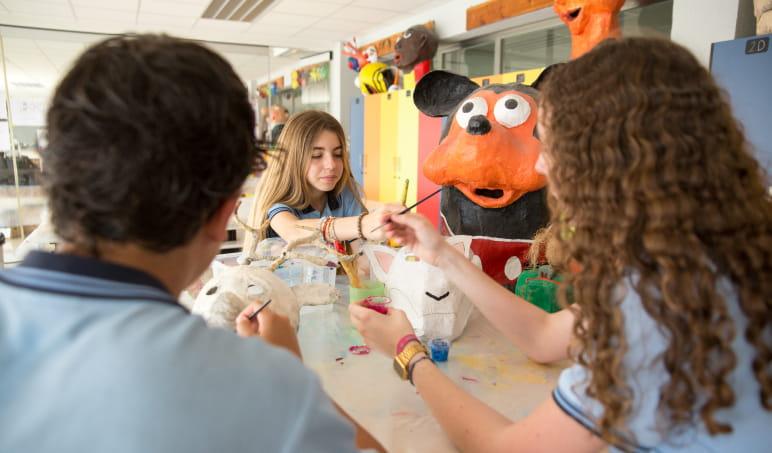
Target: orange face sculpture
pixel 490 149
pixel 485 160
pixel 589 22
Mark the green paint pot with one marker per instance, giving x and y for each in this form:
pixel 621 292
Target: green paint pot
pixel 369 288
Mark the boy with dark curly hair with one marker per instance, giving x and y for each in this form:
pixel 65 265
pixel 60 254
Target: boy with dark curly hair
pixel 150 140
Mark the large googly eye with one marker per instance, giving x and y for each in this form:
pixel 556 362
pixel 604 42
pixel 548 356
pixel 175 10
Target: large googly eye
pixel 471 107
pixel 512 110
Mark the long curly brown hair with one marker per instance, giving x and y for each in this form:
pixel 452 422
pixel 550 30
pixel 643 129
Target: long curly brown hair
pixel 651 175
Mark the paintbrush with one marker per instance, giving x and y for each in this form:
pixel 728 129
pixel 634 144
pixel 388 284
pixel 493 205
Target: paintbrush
pixel 404 191
pixel 407 209
pixel 254 315
pixel 392 242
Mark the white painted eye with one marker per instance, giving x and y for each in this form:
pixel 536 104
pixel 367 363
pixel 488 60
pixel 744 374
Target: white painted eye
pixel 513 268
pixel 407 35
pixel 512 110
pixel 471 107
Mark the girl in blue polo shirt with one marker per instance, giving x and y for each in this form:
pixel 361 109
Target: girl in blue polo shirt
pixel 309 183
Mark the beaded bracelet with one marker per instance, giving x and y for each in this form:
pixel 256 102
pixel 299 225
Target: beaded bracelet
pixel 412 367
pixel 323 227
pixel 333 233
pixel 361 235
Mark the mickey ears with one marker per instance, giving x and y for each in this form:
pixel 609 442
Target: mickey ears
pixel 439 92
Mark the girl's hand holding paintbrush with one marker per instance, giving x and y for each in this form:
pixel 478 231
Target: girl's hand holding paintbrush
pixel 268 325
pixel 416 232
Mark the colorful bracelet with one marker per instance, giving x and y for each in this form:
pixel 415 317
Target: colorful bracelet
pixel 412 367
pixel 323 228
pixel 404 341
pixel 333 233
pixel 361 235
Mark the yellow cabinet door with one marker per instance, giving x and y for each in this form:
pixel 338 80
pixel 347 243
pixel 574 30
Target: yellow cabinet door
pixel 372 140
pixel 388 192
pixel 407 146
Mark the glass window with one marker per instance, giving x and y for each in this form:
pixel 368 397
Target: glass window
pixel 536 49
pixel 473 61
pixel 541 48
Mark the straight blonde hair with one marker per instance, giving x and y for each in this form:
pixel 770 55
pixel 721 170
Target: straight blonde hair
pixel 284 181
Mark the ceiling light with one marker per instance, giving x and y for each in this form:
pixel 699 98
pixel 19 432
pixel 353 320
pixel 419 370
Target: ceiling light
pixel 235 10
pixel 279 51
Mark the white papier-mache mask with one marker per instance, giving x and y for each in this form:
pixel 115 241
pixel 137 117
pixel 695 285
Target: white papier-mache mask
pixel 434 306
pixel 232 288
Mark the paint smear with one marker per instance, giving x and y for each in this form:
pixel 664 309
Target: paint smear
pixel 470 379
pixel 500 369
pixel 359 349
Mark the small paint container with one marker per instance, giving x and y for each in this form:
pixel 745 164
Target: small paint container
pixel 377 303
pixel 369 288
pixel 438 349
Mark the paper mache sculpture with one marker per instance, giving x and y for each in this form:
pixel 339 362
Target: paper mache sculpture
pixel 374 76
pixel 485 159
pixel 415 49
pixel 232 288
pixel 589 22
pixel 434 306
pixel 378 78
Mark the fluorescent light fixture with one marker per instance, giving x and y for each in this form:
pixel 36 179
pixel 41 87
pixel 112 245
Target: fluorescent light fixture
pixel 235 10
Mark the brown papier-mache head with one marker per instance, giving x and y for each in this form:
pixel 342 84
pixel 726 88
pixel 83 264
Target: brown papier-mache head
pixel 417 44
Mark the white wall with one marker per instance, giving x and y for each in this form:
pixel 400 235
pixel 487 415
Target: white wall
pixel 342 88
pixel 699 23
pixel 450 22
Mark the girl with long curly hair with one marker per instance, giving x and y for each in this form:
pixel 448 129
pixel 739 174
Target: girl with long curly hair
pixel 661 212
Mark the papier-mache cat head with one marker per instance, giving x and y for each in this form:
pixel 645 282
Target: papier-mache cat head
pixel 232 288
pixel 434 306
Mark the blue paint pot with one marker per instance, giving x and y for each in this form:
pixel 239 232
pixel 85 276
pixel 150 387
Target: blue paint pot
pixel 438 349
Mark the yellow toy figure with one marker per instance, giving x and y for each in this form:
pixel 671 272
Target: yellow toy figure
pixel 377 77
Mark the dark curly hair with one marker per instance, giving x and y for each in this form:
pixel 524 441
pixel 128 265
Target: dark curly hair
pixel 148 135
pixel 650 174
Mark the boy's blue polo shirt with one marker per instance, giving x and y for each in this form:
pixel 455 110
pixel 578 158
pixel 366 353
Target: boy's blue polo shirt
pixel 100 357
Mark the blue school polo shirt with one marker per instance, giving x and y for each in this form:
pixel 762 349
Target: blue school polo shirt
pixel 344 205
pixel 645 374
pixel 99 357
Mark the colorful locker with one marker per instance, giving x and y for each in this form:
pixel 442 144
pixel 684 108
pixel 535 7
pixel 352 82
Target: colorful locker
pixel 429 131
pixel 388 192
pixel 372 140
pixel 407 145
pixel 357 139
pixel 524 77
